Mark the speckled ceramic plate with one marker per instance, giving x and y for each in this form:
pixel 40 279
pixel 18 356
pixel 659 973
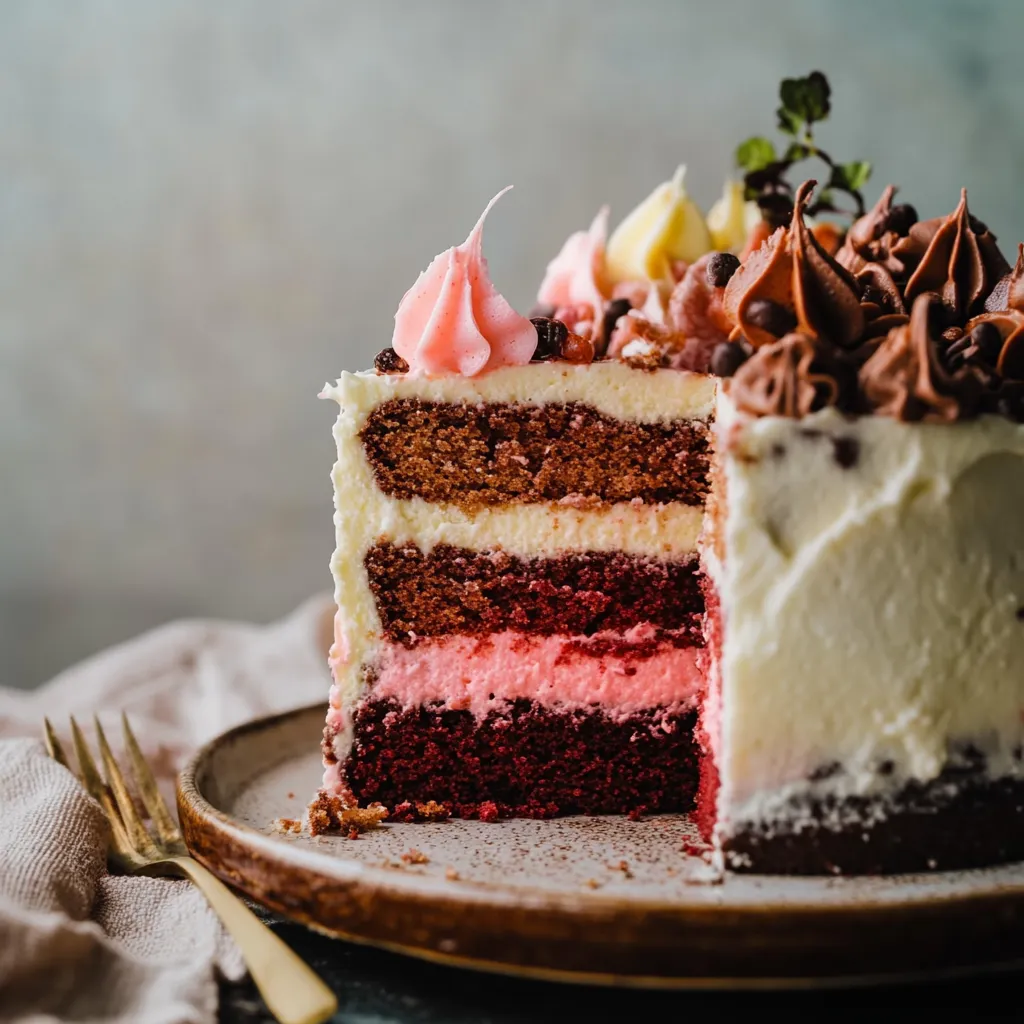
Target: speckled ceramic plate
pixel 589 899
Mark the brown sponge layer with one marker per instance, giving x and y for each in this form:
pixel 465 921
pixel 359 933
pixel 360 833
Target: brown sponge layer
pixel 453 590
pixel 473 455
pixel 529 761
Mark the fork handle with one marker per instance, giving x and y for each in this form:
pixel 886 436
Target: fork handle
pixel 292 991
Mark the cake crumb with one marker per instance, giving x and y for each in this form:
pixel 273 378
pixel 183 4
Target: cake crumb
pixel 433 811
pixel 329 814
pixel 407 812
pixel 592 883
pixel 291 796
pixel 414 856
pixel 488 811
pixel 451 874
pixel 288 825
pixel 622 866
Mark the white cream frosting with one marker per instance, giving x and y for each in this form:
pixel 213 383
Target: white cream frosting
pixel 610 386
pixel 871 613
pixel 364 514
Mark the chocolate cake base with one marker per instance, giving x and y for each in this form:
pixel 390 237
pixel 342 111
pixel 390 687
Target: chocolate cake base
pixel 926 829
pixel 529 761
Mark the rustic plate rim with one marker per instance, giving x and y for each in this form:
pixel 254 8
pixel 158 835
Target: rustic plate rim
pixel 199 813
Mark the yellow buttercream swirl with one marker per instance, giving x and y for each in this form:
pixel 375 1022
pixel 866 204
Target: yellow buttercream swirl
pixel 667 226
pixel 732 218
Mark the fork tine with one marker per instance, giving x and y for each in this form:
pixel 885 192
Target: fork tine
pixel 87 769
pixel 90 777
pixel 53 745
pixel 141 839
pixel 156 806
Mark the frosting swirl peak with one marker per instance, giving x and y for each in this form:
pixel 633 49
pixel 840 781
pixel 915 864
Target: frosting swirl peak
pixel 454 321
pixel 666 227
pixel 960 261
pixel 793 274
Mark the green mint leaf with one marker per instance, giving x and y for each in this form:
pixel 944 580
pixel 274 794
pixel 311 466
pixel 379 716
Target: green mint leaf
pixel 755 153
pixel 851 177
pixel 797 151
pixel 806 99
pixel 789 122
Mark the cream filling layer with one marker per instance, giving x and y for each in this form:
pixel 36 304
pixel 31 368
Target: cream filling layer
pixel 364 515
pixel 480 674
pixel 872 595
pixel 612 387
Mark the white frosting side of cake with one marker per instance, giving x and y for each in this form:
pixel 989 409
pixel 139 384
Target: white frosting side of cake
pixel 364 515
pixel 872 613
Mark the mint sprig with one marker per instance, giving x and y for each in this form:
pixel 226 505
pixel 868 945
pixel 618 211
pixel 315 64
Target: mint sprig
pixel 805 103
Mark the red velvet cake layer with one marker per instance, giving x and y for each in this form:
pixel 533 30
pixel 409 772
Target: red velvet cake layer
pixel 530 761
pixel 451 590
pixel 496 454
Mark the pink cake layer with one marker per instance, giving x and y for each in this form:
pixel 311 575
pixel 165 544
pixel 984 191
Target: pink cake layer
pixel 621 673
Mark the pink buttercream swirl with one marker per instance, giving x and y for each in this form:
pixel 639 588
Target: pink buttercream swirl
pixel 453 321
pixel 576 276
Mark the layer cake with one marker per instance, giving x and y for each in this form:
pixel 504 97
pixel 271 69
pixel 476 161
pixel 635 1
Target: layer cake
pixel 734 532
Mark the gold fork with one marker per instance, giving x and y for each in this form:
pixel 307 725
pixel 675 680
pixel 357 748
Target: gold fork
pixel 293 993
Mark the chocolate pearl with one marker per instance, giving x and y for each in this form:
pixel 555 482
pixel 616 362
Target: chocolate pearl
pixel 389 361
pixel 614 311
pixel 771 317
pixel 720 268
pixel 989 341
pixel 726 358
pixel 550 336
pixel 901 218
pixel 577 349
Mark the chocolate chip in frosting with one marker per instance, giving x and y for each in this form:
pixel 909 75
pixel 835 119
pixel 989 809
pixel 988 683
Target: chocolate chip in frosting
pixel 727 357
pixel 720 268
pixel 989 342
pixel 901 218
pixel 389 361
pixel 614 311
pixel 846 451
pixel 771 317
pixel 550 336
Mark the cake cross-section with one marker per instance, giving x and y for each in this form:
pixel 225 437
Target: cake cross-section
pixel 738 534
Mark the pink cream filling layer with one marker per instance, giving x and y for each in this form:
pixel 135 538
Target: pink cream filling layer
pixel 479 674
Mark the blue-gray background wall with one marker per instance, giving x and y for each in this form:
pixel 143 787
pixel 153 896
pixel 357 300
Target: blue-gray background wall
pixel 207 209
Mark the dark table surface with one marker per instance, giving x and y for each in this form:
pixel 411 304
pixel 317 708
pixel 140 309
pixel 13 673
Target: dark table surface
pixel 375 987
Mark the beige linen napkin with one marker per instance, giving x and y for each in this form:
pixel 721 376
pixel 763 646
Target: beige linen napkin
pixel 79 944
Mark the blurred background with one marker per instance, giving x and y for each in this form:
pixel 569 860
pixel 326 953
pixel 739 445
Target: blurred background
pixel 207 210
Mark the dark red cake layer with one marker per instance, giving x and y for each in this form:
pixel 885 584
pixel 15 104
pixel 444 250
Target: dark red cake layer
pixel 453 590
pixel 496 454
pixel 926 830
pixel 528 762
